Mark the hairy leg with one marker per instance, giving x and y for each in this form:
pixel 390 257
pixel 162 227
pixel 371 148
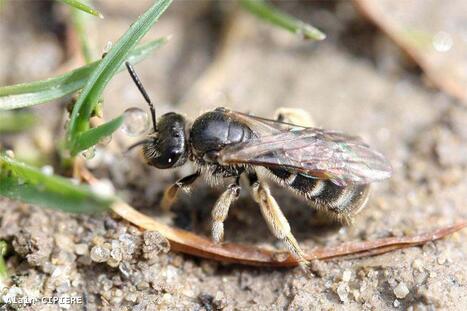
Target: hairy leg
pixel 294 115
pixel 276 220
pixel 170 193
pixel 221 209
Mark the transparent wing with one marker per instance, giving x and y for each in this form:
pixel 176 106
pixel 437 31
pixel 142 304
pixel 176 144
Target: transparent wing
pixel 315 152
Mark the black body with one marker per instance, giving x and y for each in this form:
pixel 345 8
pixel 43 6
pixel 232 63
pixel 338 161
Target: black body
pixel 209 135
pixel 215 131
pixel 331 170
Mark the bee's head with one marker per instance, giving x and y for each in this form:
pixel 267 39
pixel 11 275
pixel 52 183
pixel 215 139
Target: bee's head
pixel 167 146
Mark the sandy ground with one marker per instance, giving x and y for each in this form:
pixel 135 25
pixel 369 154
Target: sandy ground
pixel 355 81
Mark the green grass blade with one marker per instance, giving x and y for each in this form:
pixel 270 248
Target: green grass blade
pixel 22 182
pixel 83 7
pixel 104 72
pixel 11 122
pixel 39 92
pixel 79 24
pixel 3 268
pixel 93 136
pixel 285 21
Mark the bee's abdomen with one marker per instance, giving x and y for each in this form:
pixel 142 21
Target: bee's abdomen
pixel 340 202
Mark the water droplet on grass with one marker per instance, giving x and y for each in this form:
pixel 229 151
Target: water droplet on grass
pixel 10 153
pixel 89 153
pixel 135 121
pixel 106 140
pixel 103 188
pixel 107 46
pixel 442 41
pixel 47 170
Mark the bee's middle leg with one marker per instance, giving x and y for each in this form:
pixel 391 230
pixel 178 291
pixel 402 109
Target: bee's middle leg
pixel 276 220
pixel 170 193
pixel 221 209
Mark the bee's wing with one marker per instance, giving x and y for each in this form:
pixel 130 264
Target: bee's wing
pixel 315 152
pixel 261 126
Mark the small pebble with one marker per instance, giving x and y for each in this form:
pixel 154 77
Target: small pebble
pixel 443 257
pixel 100 254
pixel 171 273
pixel 343 292
pixel 113 263
pixel 401 290
pixel 81 249
pixel 396 303
pixel 131 297
pixel 142 285
pixel 116 252
pixel 356 295
pixel 346 275
pixel 98 240
pixel 219 300
pixel 417 264
pixel 154 243
pixel 125 269
pixel 167 298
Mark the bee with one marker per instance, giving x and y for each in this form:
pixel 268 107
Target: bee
pixel 330 170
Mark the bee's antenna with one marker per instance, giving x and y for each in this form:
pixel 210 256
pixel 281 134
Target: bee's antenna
pixel 140 86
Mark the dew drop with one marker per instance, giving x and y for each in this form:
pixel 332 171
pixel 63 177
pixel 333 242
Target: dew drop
pixel 442 41
pixel 135 121
pixel 96 160
pixel 89 153
pixel 103 188
pixel 10 153
pixel 108 46
pixel 47 170
pixel 106 140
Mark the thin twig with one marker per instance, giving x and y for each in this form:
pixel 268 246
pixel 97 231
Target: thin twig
pixel 193 244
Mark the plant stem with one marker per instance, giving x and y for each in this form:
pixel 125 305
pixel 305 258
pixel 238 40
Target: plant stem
pixel 276 17
pixel 79 22
pixel 3 268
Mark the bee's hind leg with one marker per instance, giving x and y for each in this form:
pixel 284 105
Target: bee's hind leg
pixel 276 221
pixel 170 193
pixel 294 115
pixel 221 209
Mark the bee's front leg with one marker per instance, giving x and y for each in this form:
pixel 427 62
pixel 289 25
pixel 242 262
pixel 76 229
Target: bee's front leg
pixel 276 221
pixel 221 209
pixel 170 193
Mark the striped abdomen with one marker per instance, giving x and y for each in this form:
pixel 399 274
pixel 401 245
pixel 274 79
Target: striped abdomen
pixel 342 203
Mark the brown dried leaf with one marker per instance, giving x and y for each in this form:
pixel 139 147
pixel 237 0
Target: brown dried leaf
pixel 190 243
